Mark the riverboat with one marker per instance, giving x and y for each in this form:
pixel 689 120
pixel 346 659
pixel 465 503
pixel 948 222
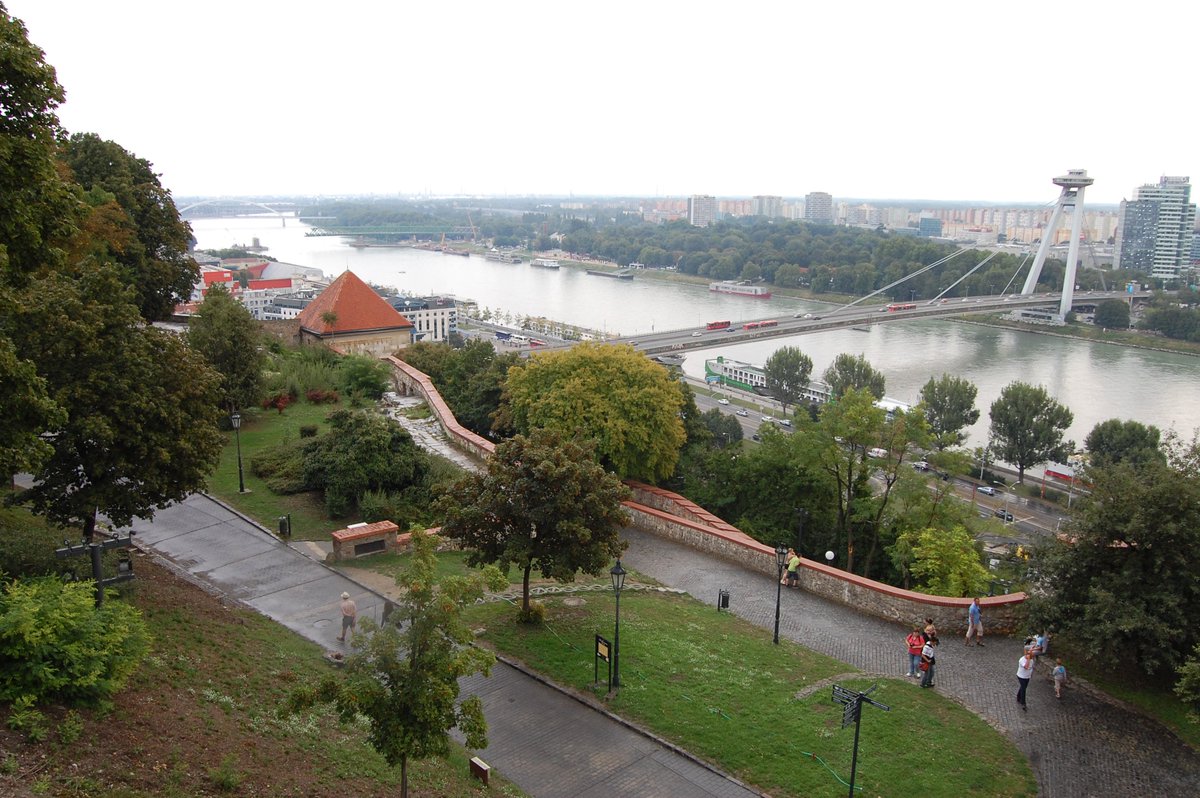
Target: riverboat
pixel 740 288
pixel 501 257
pixel 621 275
pixel 544 263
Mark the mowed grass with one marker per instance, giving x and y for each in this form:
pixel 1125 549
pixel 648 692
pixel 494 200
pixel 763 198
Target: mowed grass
pixel 264 429
pixel 718 687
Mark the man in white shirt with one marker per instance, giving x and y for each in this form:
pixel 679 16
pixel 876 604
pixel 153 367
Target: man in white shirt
pixel 1024 674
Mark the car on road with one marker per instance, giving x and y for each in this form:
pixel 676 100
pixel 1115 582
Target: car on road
pixel 987 490
pixel 741 412
pixel 1003 515
pixel 783 422
pixel 767 419
pixel 732 329
pixel 722 401
pixel 816 318
pixel 756 437
pixel 804 316
pixel 697 334
pixel 921 465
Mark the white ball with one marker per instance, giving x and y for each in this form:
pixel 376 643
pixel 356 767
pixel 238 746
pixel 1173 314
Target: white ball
pixel 829 556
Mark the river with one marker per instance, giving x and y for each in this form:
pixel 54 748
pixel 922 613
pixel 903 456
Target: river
pixel 1096 381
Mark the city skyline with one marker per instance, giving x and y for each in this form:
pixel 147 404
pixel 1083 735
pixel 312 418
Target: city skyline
pixel 872 102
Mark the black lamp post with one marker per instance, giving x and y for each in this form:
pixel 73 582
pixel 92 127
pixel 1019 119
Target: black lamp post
pixel 780 561
pixel 618 582
pixel 236 420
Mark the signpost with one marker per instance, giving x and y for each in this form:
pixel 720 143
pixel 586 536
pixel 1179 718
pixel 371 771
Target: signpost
pixel 124 567
pixel 603 652
pixel 852 701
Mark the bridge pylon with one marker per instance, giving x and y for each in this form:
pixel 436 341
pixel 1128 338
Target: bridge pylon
pixel 1072 183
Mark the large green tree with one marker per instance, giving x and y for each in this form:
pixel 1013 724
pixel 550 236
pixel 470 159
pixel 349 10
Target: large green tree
pixel 1122 580
pixel 787 371
pixel 1123 441
pixel 848 372
pixel 1112 314
pixel 613 396
pixel 405 680
pixel 152 249
pixel 949 405
pixel 26 410
pixel 1027 427
pixel 542 503
pixel 141 424
pixel 224 332
pixel 944 562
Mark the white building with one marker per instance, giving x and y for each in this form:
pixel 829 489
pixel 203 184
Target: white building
pixel 702 210
pixel 1155 230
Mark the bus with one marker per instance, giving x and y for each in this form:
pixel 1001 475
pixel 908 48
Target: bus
pixel 536 342
pixel 892 308
pixel 717 325
pixel 769 323
pixel 751 325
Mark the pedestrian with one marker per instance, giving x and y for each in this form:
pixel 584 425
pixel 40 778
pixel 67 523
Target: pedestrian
pixel 349 616
pixel 1060 677
pixel 1024 673
pixel 930 629
pixel 915 642
pixel 928 660
pixel 974 623
pixel 793 569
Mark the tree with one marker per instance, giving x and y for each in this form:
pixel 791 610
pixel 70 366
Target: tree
pixel 1027 427
pixel 1112 314
pixel 1123 578
pixel 853 371
pixel 949 406
pixel 787 371
pixel 610 395
pixel 362 451
pixel 405 681
pixel 37 209
pixel 364 377
pixel 542 503
pixel 141 426
pixel 26 411
pixel 944 562
pixel 1116 441
pixel 152 249
pixel 229 338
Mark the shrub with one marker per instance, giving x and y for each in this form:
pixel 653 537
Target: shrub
pixel 56 644
pixel 226 777
pixel 26 717
pixel 318 396
pixel 536 614
pixel 279 401
pixel 377 505
pixel 70 728
pixel 282 467
pixel 364 376
pixel 308 431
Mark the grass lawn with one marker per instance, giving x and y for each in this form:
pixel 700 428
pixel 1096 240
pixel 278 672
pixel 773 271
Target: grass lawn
pixel 719 688
pixel 262 429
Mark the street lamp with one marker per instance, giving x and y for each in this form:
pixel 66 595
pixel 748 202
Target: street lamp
pixel 236 420
pixel 618 581
pixel 780 561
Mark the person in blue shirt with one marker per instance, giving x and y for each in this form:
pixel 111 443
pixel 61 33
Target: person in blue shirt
pixel 1060 677
pixel 975 623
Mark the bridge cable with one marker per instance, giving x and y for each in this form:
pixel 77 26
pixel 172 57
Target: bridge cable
pixel 974 269
pixel 917 273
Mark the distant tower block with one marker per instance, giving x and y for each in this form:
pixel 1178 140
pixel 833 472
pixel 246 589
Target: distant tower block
pixel 1073 184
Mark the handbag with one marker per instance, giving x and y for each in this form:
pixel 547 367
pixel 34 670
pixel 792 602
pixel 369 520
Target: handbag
pixel 924 666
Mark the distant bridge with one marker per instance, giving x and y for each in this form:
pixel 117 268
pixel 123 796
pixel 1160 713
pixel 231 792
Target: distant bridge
pixel 229 206
pixel 394 230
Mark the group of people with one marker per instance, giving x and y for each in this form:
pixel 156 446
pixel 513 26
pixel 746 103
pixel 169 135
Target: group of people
pixel 922 643
pixel 792 576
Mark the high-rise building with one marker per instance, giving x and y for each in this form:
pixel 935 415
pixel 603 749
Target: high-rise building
pixel 1154 232
pixel 771 207
pixel 702 210
pixel 818 207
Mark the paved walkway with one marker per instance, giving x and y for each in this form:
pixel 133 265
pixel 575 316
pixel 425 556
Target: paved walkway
pixel 1084 745
pixel 546 742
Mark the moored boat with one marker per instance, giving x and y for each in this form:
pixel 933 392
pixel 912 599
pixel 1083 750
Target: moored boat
pixel 740 288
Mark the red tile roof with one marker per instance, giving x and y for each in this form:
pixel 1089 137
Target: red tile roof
pixel 356 306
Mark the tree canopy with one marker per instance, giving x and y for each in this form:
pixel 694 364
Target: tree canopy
pixel 229 338
pixel 542 503
pixel 949 405
pixel 628 406
pixel 848 372
pixel 787 371
pixel 1112 314
pixel 1117 441
pixel 1027 427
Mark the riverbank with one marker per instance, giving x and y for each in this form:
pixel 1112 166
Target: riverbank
pixel 1095 335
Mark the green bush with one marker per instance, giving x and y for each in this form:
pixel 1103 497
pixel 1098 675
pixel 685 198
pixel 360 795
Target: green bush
pixel 308 431
pixel 56 644
pixel 365 376
pixel 377 505
pixel 281 467
pixel 27 718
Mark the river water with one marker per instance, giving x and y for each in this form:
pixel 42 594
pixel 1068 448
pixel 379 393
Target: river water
pixel 1096 381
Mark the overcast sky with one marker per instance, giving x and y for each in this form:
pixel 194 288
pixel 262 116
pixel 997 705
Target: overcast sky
pixel 931 100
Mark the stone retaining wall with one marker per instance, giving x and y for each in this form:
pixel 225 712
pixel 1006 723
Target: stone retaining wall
pixel 672 516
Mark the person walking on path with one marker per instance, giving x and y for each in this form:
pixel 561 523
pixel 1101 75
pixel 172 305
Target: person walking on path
pixel 1024 673
pixel 1060 677
pixel 975 624
pixel 793 569
pixel 349 616
pixel 928 660
pixel 915 642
